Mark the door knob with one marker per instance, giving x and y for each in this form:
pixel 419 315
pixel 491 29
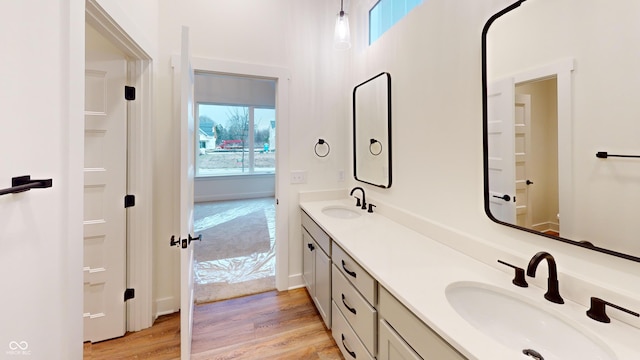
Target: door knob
pixel 199 238
pixel 529 182
pixel 504 197
pixel 183 243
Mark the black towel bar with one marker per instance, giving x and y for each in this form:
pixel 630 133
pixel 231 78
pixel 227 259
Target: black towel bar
pixel 25 183
pixel 604 155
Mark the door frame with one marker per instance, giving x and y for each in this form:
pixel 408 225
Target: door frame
pixel 562 70
pixel 282 77
pixel 139 166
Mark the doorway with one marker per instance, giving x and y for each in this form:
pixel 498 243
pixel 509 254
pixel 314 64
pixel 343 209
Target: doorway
pixel 235 185
pixel 105 181
pixel 537 177
pixel 137 260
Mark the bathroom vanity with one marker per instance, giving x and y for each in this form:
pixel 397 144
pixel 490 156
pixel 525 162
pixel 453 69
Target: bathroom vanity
pixel 398 294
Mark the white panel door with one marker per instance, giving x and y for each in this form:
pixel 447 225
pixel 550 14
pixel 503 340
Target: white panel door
pixel 104 190
pixel 187 173
pixel 501 133
pixel 522 153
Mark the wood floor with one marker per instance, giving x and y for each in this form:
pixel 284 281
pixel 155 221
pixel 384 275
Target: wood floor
pixel 272 325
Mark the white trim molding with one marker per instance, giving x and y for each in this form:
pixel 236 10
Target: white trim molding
pixel 562 70
pixel 282 77
pixel 140 314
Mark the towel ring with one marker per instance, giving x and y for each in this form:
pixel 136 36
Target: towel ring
pixel 373 141
pixel 322 142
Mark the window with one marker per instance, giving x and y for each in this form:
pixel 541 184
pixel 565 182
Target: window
pixel 235 139
pixel 385 13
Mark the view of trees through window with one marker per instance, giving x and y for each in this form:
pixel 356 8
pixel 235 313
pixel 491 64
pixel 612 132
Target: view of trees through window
pixel 235 140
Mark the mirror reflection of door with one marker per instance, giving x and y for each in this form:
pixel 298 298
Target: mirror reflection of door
pixel 500 136
pixel 536 160
pixel 523 153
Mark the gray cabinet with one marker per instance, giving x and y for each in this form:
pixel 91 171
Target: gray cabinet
pixel 392 346
pixel 406 332
pixel 354 299
pixel 316 264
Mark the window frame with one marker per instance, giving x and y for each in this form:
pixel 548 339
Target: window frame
pixel 251 171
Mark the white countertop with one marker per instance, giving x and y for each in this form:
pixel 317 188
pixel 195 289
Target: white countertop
pixel 417 270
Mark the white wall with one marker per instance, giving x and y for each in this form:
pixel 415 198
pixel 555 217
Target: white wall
pixel 41 112
pixel 598 36
pixel 434 58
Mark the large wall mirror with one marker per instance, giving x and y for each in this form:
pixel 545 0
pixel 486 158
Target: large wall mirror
pixel 372 131
pixel 561 81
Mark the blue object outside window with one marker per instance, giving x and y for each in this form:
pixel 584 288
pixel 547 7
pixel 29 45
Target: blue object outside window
pixel 385 13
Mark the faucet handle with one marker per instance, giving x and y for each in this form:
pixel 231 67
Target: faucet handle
pixel 519 279
pixel 357 201
pixel 371 206
pixel 597 310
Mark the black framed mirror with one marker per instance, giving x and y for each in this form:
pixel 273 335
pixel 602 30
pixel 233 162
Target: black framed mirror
pixel 559 87
pixel 372 131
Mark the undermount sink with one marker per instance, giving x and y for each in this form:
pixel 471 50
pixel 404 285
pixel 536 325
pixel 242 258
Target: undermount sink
pixel 341 212
pixel 520 324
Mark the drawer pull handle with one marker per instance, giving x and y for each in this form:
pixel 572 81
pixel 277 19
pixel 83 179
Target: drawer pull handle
pixel 352 310
pixel 353 354
pixel 311 247
pixel 353 274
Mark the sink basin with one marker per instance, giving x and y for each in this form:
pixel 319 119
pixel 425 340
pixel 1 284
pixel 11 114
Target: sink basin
pixel 520 324
pixel 341 212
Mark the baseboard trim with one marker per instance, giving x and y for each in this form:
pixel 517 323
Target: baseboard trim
pixel 295 281
pixel 164 306
pixel 546 226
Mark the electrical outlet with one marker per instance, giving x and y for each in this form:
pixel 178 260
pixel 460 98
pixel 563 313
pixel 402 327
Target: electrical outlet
pixel 299 177
pixel 340 175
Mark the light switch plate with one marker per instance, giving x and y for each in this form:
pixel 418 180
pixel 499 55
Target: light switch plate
pixel 299 177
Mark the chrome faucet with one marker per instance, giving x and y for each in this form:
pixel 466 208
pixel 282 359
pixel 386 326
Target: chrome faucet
pixel 552 294
pixel 362 205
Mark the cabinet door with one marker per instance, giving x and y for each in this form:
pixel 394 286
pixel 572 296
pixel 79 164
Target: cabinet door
pixel 392 347
pixel 323 285
pixel 308 261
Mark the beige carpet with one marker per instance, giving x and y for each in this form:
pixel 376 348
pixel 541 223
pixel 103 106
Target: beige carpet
pixel 237 254
pixel 241 236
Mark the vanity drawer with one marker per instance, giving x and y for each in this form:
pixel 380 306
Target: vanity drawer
pixel 316 233
pixel 351 270
pixel 356 310
pixel 346 339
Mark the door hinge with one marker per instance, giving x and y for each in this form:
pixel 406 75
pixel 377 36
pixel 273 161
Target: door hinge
pixel 129 201
pixel 129 294
pixel 129 93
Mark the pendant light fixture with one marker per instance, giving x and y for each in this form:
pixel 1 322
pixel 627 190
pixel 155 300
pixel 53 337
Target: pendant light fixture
pixel 342 37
